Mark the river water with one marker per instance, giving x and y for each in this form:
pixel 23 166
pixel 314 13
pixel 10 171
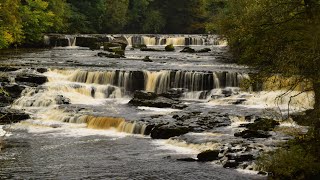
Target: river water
pixel 58 142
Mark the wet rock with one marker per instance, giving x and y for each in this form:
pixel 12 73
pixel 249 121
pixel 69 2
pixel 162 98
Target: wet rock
pixel 169 47
pixel 42 70
pixel 31 79
pixel 8 68
pixel 188 50
pixel 8 116
pixel 240 157
pixel 262 124
pixel 10 93
pixel 148 129
pixel 173 93
pixel 262 173
pixel 204 50
pixel 109 55
pixel 166 132
pixel 144 95
pixel 122 41
pixel 142 98
pixel 139 46
pixel 231 164
pixel 209 155
pixel 252 134
pixel 147 59
pixel 187 159
pixel 62 100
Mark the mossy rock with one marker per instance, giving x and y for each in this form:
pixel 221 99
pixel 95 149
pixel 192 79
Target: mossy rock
pixel 169 47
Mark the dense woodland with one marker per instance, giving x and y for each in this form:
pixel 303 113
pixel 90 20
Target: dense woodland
pixel 25 21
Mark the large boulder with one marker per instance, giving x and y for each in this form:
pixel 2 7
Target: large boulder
pixel 166 132
pixel 150 49
pixel 208 155
pixel 149 99
pixel 188 50
pixel 8 116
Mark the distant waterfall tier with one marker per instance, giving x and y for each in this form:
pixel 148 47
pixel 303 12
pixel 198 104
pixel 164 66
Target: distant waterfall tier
pixel 157 81
pixel 57 40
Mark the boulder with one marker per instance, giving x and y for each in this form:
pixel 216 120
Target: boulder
pixel 8 116
pixel 149 99
pixel 159 102
pixel 188 50
pixel 42 70
pixel 31 79
pixel 262 124
pixel 204 50
pixel 169 47
pixel 62 100
pixel 120 42
pixel 252 134
pixel 166 132
pixel 208 155
pixel 144 95
pixel 147 59
pixel 139 46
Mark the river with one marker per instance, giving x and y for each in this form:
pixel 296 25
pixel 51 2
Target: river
pixel 82 127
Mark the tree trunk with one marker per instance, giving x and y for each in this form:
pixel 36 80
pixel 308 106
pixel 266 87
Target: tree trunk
pixel 315 115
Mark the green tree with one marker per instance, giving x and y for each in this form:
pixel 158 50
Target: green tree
pixel 36 20
pixel 276 36
pixel 154 22
pixel 62 13
pixel 113 15
pixel 10 23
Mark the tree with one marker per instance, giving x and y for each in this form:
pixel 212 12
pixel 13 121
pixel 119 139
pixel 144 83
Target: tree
pixel 62 13
pixel 10 23
pixel 36 20
pixel 112 15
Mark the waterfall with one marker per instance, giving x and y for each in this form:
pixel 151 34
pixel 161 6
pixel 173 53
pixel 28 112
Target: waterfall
pixel 117 123
pixel 153 81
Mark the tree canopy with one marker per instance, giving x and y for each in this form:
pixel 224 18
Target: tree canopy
pixel 25 21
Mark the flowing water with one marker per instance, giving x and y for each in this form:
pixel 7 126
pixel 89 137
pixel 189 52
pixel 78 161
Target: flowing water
pixel 82 127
